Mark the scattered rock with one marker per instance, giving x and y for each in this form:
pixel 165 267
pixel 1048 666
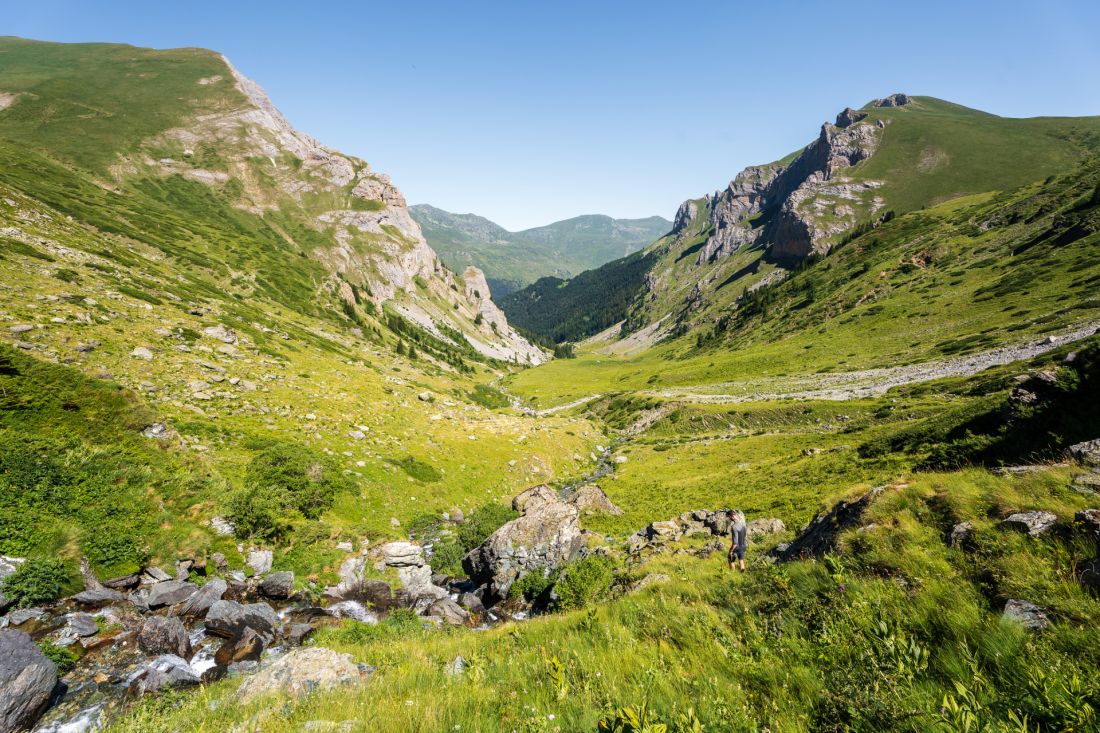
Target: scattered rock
pixel 164 635
pixel 199 604
pixel 157 431
pixel 961 534
pixel 1035 523
pixel 82 624
pixel 154 575
pixel 278 586
pixel 229 619
pixel 27 679
pixel 21 328
pixel 222 526
pixel 169 593
pixel 142 352
pixel 345 547
pixel 591 499
pixel 425 397
pixel 1089 520
pixel 1087 452
pixel 99 597
pixel 1028 614
pixel 402 554
pixel 164 672
pixel 758 527
pixel 449 611
pixel 472 603
pixel 248 647
pixel 301 671
pixel 221 333
pixel 260 561
pixel 456 667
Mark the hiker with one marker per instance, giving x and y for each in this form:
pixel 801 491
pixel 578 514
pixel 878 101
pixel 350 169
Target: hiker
pixel 739 537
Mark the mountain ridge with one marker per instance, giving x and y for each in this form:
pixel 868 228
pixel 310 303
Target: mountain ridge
pixel 511 259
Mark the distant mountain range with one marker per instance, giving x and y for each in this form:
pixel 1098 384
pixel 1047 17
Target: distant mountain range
pixel 512 260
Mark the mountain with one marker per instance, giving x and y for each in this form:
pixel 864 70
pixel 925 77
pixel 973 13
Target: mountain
pixel 183 268
pixel 513 259
pixel 893 156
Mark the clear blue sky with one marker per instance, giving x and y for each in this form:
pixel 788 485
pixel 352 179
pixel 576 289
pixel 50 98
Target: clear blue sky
pixel 530 112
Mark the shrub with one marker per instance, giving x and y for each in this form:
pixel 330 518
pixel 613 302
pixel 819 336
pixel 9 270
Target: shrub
pixel 585 581
pixel 532 585
pixel 281 480
pixel 38 580
pixel 481 523
pixel 489 397
pixel 62 657
pixel 447 556
pixel 419 470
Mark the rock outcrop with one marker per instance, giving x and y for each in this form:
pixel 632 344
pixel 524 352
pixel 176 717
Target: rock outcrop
pixel 821 534
pixel 301 671
pixel 795 210
pixel 546 536
pixel 27 679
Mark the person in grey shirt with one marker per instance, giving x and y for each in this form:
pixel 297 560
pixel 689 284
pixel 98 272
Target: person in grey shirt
pixel 739 538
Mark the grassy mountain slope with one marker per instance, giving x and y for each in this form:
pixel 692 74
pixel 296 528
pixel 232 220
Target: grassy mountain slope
pixel 511 260
pixel 253 302
pixel 927 152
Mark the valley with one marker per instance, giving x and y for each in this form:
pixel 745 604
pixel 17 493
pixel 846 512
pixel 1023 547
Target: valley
pixel 277 454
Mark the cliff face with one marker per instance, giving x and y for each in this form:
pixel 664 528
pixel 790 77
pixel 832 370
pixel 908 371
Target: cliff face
pixel 369 239
pixel 794 210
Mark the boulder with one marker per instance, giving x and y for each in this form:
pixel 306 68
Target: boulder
pixel 1028 614
pixel 296 634
pixel 169 593
pixel 82 624
pixel 164 635
pixel 472 603
pixel 759 527
pixel 221 333
pixel 259 561
pixel 123 582
pixel 591 499
pixel 278 586
pixel 1035 523
pixel 533 497
pixel 821 534
pixel 1089 520
pixel 718 523
pixel 200 602
pixel 166 671
pixel 449 611
pixel 27 679
pixel 229 619
pixel 1087 452
pixel 248 647
pixel 664 530
pixel 418 583
pixel 402 554
pixel 961 534
pixel 154 575
pixel 301 671
pixel 99 597
pixel 546 536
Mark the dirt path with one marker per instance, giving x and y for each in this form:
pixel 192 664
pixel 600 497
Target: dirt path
pixel 869 382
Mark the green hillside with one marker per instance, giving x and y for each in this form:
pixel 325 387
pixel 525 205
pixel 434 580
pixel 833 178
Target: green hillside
pixel 220 338
pixel 511 260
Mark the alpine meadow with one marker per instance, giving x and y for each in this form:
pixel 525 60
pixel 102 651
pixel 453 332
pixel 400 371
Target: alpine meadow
pixel 280 452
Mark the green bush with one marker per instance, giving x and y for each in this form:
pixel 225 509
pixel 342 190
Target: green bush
pixel 62 657
pixel 281 481
pixel 489 397
pixel 585 581
pixel 38 580
pixel 482 522
pixel 447 556
pixel 532 585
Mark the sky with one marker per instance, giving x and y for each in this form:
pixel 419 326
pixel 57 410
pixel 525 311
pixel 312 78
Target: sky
pixel 530 112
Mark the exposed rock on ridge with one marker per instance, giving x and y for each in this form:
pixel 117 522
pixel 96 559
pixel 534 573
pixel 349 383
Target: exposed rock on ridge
pixel 796 208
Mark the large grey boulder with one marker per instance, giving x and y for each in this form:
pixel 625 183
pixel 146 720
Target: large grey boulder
pixel 164 635
pixel 546 536
pixel 99 597
pixel 1026 613
pixel 200 602
pixel 229 619
pixel 1087 452
pixel 402 554
pixel 760 527
pixel 260 561
pixel 278 586
pixel 169 593
pixel 166 671
pixel 27 679
pixel 448 611
pixel 301 671
pixel 534 496
pixel 1036 523
pixel 591 499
